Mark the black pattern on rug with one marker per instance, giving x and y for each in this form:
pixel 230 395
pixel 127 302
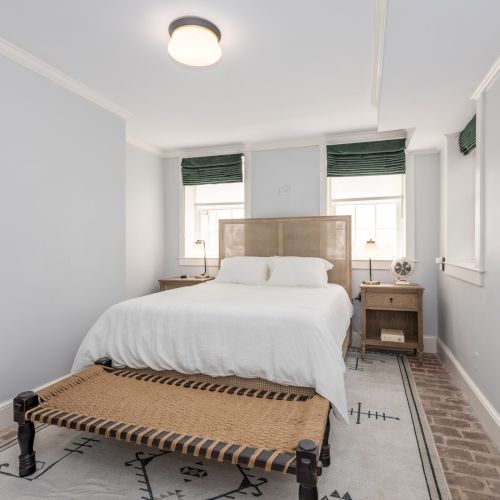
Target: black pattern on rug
pixel 66 460
pixel 370 414
pixel 41 466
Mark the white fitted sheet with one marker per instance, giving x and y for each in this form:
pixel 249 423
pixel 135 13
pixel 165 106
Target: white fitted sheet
pixel 288 335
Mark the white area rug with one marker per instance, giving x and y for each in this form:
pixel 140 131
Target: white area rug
pixel 387 453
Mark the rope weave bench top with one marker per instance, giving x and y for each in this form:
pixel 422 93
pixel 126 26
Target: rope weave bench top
pixel 231 380
pixel 248 426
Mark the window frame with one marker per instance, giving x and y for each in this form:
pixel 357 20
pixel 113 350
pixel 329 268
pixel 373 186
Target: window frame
pixel 182 259
pixel 379 263
pixel 471 272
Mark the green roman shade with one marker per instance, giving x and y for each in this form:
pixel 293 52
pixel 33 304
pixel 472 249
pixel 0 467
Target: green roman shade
pixel 212 169
pixel 366 158
pixel 467 138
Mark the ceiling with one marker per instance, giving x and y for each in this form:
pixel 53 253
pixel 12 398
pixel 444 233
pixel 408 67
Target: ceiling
pixel 289 69
pixel 436 54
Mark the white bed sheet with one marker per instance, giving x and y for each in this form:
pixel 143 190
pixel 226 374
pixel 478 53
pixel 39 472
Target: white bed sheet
pixel 289 335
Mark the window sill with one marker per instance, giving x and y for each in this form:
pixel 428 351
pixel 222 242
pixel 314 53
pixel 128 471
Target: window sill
pixel 198 261
pixel 379 264
pixel 465 272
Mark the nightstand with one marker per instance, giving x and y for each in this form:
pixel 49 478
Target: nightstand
pixel 171 283
pixel 398 307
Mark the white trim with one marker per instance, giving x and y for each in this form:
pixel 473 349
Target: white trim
pixel 430 344
pixel 471 272
pixel 479 169
pixel 336 138
pixel 133 141
pixel 488 416
pixel 487 81
pixel 182 260
pixel 31 62
pixel 465 272
pixel 197 261
pixel 182 210
pixel 443 195
pixel 247 186
pixel 6 410
pixel 409 216
pixel 378 265
pixel 323 182
pixel 378 49
pixel 429 151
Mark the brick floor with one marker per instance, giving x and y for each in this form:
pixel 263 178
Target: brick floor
pixel 470 460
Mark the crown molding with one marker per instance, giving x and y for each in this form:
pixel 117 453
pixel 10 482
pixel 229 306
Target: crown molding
pixel 365 136
pixel 319 140
pixel 487 80
pixel 133 141
pixel 35 64
pixel 378 49
pixel 428 151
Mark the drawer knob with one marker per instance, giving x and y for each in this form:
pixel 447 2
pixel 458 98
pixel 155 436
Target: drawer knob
pixel 390 300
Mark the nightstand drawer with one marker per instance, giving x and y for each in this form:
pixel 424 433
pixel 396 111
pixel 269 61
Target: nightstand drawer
pixel 388 300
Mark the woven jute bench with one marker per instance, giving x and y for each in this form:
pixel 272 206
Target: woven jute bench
pixel 250 422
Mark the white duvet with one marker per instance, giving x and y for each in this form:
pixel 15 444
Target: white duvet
pixel 288 335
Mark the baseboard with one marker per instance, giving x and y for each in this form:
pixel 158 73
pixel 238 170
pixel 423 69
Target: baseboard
pixel 6 407
pixel 430 344
pixel 488 416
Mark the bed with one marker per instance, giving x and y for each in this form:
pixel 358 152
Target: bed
pixel 194 342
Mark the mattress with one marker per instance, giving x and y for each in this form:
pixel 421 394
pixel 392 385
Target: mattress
pixel 288 335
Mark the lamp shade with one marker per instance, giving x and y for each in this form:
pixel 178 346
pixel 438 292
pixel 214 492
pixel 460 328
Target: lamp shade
pixel 370 249
pixel 194 41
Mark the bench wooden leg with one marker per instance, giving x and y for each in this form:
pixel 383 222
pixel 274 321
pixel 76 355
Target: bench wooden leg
pixel 307 470
pixel 25 432
pixel 324 456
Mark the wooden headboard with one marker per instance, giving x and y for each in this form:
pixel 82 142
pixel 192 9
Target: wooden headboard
pixel 328 237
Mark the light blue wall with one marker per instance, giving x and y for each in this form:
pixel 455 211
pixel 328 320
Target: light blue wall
pixel 62 219
pixel 296 169
pixel 299 169
pixel 469 316
pixel 145 221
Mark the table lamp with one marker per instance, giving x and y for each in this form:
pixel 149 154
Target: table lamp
pixel 370 250
pixel 199 242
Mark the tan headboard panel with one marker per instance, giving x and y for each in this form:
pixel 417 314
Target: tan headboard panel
pixel 328 237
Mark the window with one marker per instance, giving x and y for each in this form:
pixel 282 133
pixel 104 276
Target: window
pixel 376 206
pixel 204 206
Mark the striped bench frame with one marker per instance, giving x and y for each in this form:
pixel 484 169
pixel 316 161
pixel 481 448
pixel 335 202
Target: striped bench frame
pixel 306 463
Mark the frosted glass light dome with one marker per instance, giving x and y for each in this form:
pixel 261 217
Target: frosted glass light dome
pixel 194 41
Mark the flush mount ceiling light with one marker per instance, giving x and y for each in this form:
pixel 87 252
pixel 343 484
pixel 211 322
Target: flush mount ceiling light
pixel 194 41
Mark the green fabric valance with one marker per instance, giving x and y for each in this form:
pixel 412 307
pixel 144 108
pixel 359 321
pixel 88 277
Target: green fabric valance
pixel 212 169
pixel 366 158
pixel 467 138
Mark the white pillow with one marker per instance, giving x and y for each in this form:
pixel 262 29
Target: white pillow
pixel 299 271
pixel 243 270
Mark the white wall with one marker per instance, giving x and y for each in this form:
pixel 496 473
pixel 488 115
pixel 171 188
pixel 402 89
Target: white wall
pixel 145 219
pixel 469 315
pixel 62 224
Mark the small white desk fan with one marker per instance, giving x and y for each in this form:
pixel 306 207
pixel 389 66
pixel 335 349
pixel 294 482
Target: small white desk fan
pixel 402 270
